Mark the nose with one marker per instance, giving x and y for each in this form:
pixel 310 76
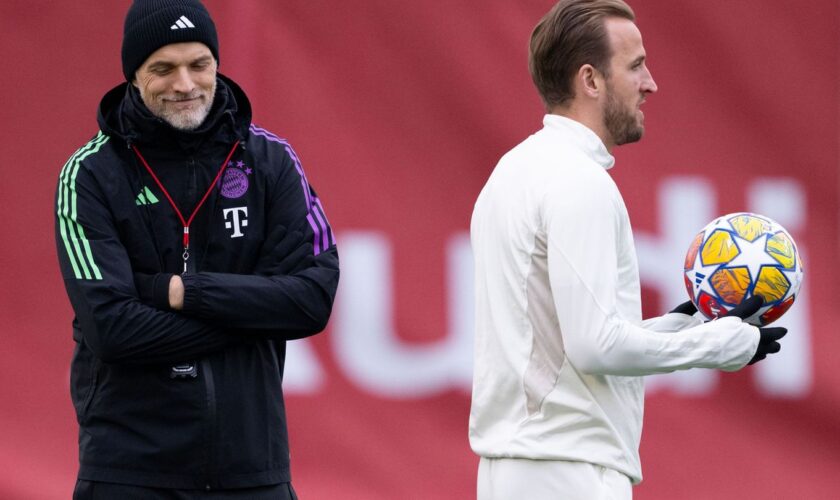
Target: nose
pixel 649 86
pixel 183 82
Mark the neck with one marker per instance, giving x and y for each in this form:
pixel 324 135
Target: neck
pixel 589 118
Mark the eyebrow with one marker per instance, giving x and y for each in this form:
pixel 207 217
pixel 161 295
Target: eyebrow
pixel 202 59
pixel 167 64
pixel 638 60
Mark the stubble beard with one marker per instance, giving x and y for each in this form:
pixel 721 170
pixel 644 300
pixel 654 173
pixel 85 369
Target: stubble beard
pixel 620 121
pixel 185 119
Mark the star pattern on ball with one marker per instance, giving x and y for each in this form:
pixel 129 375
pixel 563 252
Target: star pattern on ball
pixel 744 254
pixel 753 255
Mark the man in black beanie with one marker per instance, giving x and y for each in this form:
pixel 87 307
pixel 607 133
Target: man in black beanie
pixel 192 248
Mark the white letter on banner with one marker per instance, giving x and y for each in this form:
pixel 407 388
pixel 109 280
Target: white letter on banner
pixel 303 373
pixel 365 344
pixel 788 373
pixel 686 205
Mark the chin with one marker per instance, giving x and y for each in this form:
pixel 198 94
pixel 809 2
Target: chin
pixel 185 122
pixel 630 137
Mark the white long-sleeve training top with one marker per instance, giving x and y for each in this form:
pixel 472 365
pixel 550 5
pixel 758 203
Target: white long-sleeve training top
pixel 560 346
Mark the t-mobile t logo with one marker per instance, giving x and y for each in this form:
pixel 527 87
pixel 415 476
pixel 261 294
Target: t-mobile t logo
pixel 237 222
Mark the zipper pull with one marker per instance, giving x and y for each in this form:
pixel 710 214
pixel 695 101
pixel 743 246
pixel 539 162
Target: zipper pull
pixel 186 254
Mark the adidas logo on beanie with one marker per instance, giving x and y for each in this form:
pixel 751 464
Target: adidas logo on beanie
pixel 151 24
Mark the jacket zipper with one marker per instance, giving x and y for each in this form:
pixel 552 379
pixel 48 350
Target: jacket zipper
pixel 210 436
pixel 192 190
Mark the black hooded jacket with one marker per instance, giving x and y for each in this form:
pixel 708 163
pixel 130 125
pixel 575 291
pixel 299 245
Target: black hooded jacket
pixel 193 398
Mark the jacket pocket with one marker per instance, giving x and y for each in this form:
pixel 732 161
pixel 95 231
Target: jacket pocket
pixel 88 400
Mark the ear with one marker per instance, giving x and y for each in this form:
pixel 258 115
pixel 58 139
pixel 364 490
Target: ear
pixel 590 81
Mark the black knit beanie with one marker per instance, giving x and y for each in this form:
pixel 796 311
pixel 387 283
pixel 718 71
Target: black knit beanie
pixel 151 24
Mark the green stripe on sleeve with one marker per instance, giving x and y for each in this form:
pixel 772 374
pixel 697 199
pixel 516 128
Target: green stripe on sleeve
pixel 73 235
pixel 62 207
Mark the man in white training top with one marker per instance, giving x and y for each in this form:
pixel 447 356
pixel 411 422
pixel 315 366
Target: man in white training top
pixel 560 344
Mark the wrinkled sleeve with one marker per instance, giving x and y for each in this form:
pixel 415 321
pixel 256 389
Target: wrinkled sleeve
pixel 671 322
pixel 116 325
pixel 583 223
pixel 287 305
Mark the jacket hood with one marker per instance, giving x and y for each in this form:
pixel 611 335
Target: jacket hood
pixel 123 115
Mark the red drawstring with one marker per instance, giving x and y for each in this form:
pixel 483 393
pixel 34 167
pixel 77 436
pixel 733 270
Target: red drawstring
pixel 186 222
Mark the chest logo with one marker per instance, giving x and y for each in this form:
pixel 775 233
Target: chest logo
pixel 146 197
pixel 235 182
pixel 238 220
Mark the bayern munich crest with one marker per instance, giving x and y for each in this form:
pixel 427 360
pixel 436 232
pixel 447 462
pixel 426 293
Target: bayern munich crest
pixel 235 181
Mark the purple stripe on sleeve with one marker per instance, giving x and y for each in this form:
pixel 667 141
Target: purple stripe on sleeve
pixel 324 237
pixel 292 153
pixel 269 137
pixel 317 234
pixel 258 131
pixel 257 128
pixel 303 182
pixel 265 133
pixel 254 128
pixel 331 239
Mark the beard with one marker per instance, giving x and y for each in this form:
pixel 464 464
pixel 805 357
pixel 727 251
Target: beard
pixel 620 121
pixel 181 119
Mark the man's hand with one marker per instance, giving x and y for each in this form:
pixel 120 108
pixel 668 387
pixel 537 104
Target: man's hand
pixel 176 293
pixel 768 343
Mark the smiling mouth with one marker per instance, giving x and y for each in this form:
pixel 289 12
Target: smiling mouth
pixel 182 98
pixel 183 103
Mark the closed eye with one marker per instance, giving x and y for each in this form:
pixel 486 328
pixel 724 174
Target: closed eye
pixel 202 63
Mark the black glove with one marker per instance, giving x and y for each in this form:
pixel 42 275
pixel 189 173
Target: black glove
pixel 686 308
pixel 768 342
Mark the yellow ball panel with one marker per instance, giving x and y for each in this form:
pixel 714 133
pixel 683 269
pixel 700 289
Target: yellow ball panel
pixel 719 249
pixel 731 284
pixel 771 284
pixel 749 227
pixel 781 248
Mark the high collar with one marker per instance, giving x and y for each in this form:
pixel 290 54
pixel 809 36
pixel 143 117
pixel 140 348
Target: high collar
pixel 122 114
pixel 585 138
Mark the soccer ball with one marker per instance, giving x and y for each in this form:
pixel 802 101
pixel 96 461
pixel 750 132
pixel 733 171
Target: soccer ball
pixel 740 255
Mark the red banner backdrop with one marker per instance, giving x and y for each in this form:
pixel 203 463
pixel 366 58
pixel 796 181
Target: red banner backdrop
pixel 399 110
